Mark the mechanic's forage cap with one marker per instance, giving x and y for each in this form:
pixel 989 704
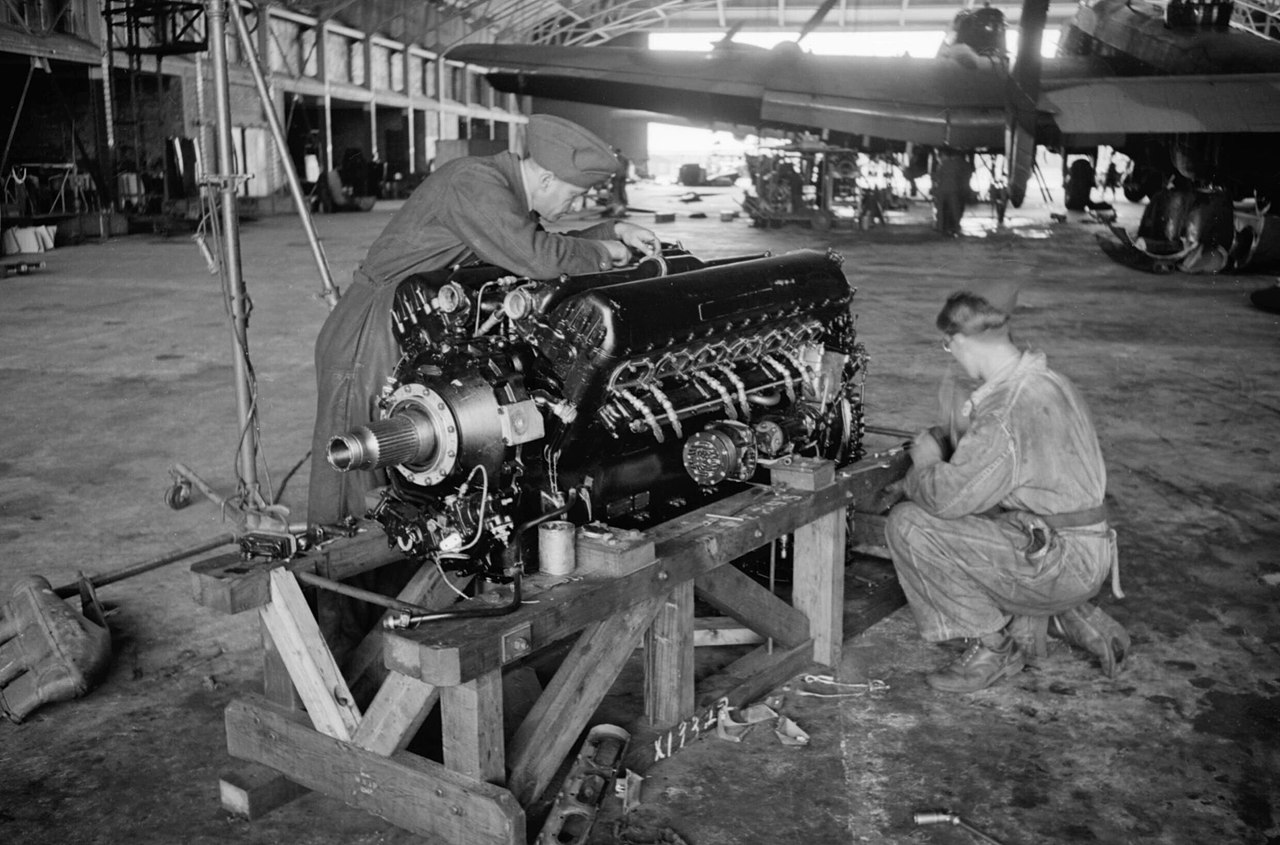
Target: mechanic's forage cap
pixel 574 154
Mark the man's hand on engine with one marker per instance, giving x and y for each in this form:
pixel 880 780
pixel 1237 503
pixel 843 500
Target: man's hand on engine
pixel 619 253
pixel 638 238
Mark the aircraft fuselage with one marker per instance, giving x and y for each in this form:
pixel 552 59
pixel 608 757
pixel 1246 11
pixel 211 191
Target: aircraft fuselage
pixel 1137 39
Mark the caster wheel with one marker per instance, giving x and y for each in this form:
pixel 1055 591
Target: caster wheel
pixel 178 496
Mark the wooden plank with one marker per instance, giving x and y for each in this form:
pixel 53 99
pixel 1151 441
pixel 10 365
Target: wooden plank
pixel 711 631
pixel 730 590
pixel 471 727
pixel 552 728
pixel 277 686
pixel 450 652
pixel 229 584
pixel 252 791
pixel 311 665
pixel 668 655
pixel 395 714
pixel 818 583
pixel 407 790
pixel 749 677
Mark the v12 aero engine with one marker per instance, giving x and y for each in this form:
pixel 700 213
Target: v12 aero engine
pixel 626 397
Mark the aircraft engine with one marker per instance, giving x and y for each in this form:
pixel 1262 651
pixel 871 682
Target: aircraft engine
pixel 627 397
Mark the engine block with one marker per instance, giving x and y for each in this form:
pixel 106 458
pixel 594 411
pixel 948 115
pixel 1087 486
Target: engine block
pixel 627 397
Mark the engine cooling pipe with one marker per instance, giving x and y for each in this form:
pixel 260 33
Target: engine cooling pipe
pixel 406 437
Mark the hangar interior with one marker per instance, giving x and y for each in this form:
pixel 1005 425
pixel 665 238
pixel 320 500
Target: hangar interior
pixel 135 378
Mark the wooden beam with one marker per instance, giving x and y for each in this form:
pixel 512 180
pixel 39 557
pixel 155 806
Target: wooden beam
pixel 277 686
pixel 252 791
pixel 450 652
pixel 471 727
pixel 407 790
pixel 552 727
pixel 395 714
pixel 818 583
pixel 749 677
pixel 668 655
pixel 229 584
pixel 720 631
pixel 311 665
pixel 730 590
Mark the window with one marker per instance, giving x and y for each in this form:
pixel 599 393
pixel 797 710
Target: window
pixel 357 62
pixel 395 59
pixel 458 84
pixel 429 80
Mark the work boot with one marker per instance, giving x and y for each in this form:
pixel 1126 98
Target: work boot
pixel 979 667
pixel 1097 633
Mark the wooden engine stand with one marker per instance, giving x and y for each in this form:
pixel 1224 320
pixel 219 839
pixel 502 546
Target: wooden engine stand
pixel 629 586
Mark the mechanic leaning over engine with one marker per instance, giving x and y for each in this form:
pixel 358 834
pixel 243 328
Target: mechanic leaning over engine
pixel 470 210
pixel 1004 522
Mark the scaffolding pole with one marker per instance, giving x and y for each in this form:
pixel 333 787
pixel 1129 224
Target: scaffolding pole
pixel 329 293
pixel 247 451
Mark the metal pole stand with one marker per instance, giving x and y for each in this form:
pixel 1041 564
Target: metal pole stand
pixel 261 527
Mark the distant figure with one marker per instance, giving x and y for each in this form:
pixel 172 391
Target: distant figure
pixel 951 190
pixel 618 184
pixel 1111 181
pixel 999 201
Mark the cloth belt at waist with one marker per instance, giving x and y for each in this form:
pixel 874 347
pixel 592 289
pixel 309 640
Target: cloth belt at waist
pixel 1075 519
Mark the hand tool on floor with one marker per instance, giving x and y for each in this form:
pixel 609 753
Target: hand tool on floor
pixel 953 819
pixel 48 651
pixel 20 268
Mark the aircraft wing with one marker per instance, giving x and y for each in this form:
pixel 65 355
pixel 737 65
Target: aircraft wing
pixel 921 100
pixel 1164 104
pixel 905 99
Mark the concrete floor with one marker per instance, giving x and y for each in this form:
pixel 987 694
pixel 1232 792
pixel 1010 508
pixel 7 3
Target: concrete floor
pixel 116 366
